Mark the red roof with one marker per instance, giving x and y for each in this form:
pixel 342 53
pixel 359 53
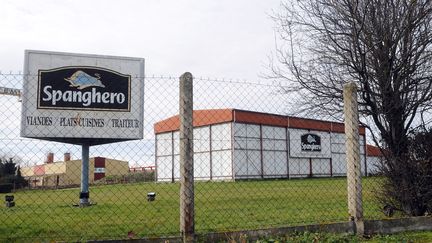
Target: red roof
pixel 373 151
pixel 218 116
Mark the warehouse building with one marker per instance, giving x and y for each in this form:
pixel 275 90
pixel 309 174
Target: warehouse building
pixel 231 144
pixel 68 172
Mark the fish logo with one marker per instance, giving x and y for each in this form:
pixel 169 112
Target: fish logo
pixel 310 142
pixel 82 80
pixel 84 88
pixel 310 139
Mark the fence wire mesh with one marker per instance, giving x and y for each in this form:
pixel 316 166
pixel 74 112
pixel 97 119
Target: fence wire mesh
pixel 254 167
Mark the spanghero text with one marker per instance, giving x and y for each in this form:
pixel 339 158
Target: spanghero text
pixel 83 88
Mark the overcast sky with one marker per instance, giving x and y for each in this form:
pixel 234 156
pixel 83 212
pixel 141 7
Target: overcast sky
pixel 210 38
pixel 216 39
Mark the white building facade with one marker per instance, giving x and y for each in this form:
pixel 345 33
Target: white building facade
pixel 232 144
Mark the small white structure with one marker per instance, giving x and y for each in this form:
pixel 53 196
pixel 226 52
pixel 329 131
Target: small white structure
pixel 231 144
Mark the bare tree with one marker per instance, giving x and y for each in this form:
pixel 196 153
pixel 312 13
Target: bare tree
pixel 383 45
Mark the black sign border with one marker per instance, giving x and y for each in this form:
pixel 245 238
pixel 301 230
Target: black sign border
pixel 310 151
pixel 40 71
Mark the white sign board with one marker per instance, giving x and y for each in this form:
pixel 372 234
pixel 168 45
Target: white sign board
pixel 309 144
pixel 10 91
pixel 99 170
pixel 82 99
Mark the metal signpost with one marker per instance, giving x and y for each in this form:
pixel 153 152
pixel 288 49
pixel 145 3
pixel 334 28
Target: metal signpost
pixel 85 193
pixel 84 100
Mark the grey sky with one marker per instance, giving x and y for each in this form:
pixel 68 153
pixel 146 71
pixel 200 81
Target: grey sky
pixel 209 38
pixel 216 39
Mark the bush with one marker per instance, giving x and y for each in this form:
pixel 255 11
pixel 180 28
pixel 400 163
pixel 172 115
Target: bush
pixel 145 176
pixel 10 173
pixel 6 188
pixel 408 184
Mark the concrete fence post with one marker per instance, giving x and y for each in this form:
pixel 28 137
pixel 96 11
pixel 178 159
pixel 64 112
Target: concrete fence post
pixel 187 224
pixel 355 203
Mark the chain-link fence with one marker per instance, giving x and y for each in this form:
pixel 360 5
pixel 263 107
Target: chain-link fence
pixel 254 166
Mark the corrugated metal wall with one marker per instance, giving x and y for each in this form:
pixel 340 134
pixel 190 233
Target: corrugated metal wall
pixel 212 158
pixel 259 151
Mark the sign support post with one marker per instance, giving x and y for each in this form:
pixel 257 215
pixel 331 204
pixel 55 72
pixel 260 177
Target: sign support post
pixel 84 193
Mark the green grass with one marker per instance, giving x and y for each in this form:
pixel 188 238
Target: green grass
pixel 303 237
pixel 220 206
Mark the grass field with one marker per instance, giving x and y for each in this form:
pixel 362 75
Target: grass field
pixel 220 206
pixel 302 237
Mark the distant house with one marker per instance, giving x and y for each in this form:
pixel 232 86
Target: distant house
pixel 68 172
pixel 231 144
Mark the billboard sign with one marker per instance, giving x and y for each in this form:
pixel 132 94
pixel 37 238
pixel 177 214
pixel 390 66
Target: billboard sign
pixel 310 142
pixel 82 99
pixel 10 91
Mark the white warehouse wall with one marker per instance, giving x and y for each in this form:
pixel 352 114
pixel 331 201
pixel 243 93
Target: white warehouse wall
pixel 281 153
pixel 212 157
pixel 248 151
pixel 373 164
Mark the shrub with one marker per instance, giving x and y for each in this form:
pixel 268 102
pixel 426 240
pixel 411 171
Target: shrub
pixel 6 188
pixel 145 176
pixel 408 184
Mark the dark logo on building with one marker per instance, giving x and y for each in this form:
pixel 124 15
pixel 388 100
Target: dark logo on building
pixel 83 88
pixel 310 142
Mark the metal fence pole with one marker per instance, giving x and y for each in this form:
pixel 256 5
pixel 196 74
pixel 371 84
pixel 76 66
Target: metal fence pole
pixel 84 194
pixel 187 225
pixel 355 207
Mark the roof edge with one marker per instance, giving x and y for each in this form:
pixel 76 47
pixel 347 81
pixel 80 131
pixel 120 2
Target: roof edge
pixel 218 116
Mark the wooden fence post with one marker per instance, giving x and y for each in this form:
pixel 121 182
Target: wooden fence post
pixel 355 203
pixel 187 224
